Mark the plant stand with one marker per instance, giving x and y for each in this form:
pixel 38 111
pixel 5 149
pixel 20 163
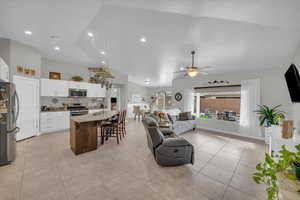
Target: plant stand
pixel 276 143
pixel 273 131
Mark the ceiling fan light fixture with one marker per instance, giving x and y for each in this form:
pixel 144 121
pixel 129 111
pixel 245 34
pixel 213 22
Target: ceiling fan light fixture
pixel 192 72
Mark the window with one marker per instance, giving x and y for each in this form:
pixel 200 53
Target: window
pixel 221 107
pixel 220 103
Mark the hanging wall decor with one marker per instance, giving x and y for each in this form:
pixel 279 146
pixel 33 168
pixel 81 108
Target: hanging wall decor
pixel 178 96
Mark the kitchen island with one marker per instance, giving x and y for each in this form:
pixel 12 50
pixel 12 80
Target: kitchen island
pixel 83 130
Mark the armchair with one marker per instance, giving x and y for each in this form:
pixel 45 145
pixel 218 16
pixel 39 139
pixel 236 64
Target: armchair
pixel 168 149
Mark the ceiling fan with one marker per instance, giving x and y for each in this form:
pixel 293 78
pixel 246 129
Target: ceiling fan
pixel 192 70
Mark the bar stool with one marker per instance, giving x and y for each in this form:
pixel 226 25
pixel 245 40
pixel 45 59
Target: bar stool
pixel 113 129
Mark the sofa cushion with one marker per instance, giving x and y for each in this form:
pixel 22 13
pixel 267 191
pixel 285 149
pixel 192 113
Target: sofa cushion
pixel 180 127
pixel 185 116
pixel 154 117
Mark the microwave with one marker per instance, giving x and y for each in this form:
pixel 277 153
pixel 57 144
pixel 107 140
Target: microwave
pixel 77 92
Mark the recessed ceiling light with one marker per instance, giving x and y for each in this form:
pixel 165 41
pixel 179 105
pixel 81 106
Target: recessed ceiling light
pixel 143 39
pixel 56 48
pixel 90 34
pixel 103 52
pixel 147 82
pixel 103 62
pixel 27 32
pixel 54 37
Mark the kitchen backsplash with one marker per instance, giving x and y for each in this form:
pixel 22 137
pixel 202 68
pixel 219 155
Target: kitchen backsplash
pixel 59 101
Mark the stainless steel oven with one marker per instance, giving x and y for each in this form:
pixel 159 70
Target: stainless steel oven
pixel 77 92
pixel 77 109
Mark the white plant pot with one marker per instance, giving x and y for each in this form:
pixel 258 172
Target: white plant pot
pixel 267 135
pixel 273 131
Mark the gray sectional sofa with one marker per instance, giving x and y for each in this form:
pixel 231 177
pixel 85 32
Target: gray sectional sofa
pixel 168 148
pixel 180 127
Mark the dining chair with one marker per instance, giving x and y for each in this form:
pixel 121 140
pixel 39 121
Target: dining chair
pixel 137 112
pixel 123 124
pixel 113 129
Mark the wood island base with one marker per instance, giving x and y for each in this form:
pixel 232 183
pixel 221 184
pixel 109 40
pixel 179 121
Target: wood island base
pixel 83 136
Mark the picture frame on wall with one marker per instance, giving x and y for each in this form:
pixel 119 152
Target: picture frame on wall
pixel 27 71
pixel 20 69
pixel 32 72
pixel 55 75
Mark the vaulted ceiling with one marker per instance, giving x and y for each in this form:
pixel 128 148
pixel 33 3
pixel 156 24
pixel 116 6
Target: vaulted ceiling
pixel 233 35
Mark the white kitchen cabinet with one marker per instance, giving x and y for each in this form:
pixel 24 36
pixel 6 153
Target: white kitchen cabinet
pixel 95 90
pixel 54 121
pixel 75 85
pixel 60 88
pixel 54 88
pixel 4 71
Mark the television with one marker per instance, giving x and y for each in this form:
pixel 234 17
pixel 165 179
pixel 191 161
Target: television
pixel 113 100
pixel 293 82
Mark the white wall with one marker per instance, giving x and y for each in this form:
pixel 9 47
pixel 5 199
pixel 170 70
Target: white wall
pixel 273 89
pixel 273 86
pixel 134 89
pixel 15 53
pixel 153 90
pixel 68 70
pixel 5 50
pixel 25 56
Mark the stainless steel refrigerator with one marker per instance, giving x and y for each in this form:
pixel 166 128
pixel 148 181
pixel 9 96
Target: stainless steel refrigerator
pixel 9 111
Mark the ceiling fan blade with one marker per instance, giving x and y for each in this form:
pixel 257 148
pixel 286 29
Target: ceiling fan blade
pixel 206 68
pixel 204 73
pixel 179 71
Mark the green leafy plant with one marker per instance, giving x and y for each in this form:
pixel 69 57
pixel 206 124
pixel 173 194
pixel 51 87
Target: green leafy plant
pixel 267 171
pixel 77 78
pixel 288 159
pixel 269 115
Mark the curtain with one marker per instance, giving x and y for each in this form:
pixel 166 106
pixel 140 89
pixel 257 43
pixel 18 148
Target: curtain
pixel 198 108
pixel 250 98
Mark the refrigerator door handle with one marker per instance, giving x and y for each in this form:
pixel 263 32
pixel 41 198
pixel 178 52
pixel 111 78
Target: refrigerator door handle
pixel 18 103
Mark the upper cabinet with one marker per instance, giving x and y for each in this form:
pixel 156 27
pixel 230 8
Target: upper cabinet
pixel 4 71
pixel 57 88
pixel 95 90
pixel 60 88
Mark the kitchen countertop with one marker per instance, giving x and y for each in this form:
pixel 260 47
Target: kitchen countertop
pixel 92 117
pixel 93 108
pixel 54 111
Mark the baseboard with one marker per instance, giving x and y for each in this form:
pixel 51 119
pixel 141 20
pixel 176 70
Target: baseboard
pixel 218 131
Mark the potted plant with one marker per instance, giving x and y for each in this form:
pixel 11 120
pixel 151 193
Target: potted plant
pixel 269 116
pixel 291 159
pixel 267 171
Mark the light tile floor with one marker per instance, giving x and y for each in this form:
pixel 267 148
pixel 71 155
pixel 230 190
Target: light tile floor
pixel 46 169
